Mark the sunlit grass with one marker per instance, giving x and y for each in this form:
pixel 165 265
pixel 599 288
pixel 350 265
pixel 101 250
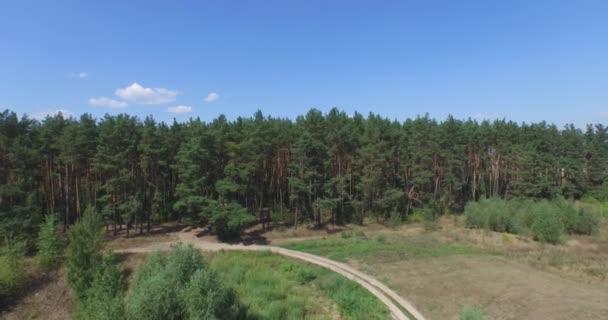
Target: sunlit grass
pixel 275 287
pixel 383 248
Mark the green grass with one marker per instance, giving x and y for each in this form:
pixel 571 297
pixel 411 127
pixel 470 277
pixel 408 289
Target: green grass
pixel 384 249
pixel 473 313
pixel 275 287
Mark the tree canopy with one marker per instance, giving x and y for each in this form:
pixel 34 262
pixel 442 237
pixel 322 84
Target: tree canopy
pixel 319 168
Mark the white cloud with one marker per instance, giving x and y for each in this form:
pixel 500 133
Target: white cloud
pixel 80 75
pixel 107 102
pixel 179 109
pixel 43 114
pixel 212 96
pixel 138 94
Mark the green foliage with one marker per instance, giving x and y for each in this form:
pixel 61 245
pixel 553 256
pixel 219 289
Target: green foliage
pixel 155 297
pixel 588 222
pixel 417 216
pixel 293 290
pixel 50 243
pixel 383 249
pixel 381 238
pixel 346 234
pixel 227 220
pixel 104 299
pixel 319 168
pixel 205 298
pixel 473 313
pixel 494 214
pixel 430 216
pixel 545 220
pixel 179 286
pixel 546 225
pixel 82 253
pixel 12 275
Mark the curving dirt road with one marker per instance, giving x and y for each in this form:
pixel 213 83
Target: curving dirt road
pixel 392 300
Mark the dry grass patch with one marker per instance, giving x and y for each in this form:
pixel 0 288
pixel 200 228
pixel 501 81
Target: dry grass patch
pixel 45 297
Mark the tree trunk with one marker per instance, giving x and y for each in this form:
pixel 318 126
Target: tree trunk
pixel 66 219
pixel 77 195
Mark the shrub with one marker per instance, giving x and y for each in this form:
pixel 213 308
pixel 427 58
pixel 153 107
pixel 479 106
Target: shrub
pixel 82 254
pixel 544 220
pixel 228 220
pixel 346 234
pixel 587 223
pixel 205 299
pixel 501 221
pixel 11 268
pixel 417 216
pixel 104 299
pixel 568 213
pixel 50 243
pixel 179 286
pixel 473 313
pixel 431 216
pixel 546 225
pixel 305 275
pixel 360 234
pixel 155 298
pixel 474 214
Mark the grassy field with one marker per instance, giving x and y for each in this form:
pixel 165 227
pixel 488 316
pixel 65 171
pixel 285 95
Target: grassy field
pixel 509 276
pixel 382 248
pixel 275 287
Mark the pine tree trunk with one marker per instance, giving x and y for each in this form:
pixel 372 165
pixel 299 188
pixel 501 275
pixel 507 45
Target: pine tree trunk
pixel 78 195
pixel 66 220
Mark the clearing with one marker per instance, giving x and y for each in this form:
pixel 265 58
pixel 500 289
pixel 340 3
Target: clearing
pixel 442 271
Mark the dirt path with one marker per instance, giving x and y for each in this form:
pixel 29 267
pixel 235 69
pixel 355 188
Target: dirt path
pixel 392 300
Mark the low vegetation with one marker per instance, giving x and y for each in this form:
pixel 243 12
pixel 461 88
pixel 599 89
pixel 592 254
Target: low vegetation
pixel 50 243
pixel 12 275
pixel 83 255
pixel 473 313
pixel 275 287
pixel 545 221
pixel 180 286
pixel 381 248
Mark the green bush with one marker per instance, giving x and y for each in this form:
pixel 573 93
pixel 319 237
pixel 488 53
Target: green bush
pixel 473 313
pixel 204 298
pixel 475 217
pixel 588 222
pixel 11 268
pixel 359 234
pixel 569 214
pixel 104 299
pixel 346 234
pixel 431 217
pixel 381 238
pixel 82 253
pixel 155 298
pixel 546 225
pixel 50 243
pixel 179 286
pixel 544 220
pixel 228 220
pixel 416 216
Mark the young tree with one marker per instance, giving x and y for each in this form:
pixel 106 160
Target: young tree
pixel 50 243
pixel 82 254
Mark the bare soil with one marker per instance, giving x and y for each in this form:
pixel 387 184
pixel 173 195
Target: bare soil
pixel 46 297
pixel 440 287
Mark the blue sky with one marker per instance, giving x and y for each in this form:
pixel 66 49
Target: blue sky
pixel 523 60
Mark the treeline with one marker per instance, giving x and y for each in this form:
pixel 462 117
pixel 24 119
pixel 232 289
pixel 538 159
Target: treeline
pixel 319 168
